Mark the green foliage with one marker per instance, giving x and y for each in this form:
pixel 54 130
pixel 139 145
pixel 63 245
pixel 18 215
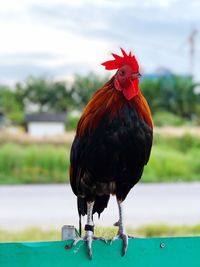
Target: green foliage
pixel 168 165
pixel 184 144
pixel 58 96
pixel 46 94
pixel 174 94
pixel 72 121
pixel 165 118
pixel 33 164
pixel 10 105
pixel 168 230
pixel 29 234
pixel 85 86
pixel 172 159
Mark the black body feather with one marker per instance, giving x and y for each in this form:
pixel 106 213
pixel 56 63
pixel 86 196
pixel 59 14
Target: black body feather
pixel 110 159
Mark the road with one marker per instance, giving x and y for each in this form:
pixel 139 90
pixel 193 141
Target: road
pixel 49 206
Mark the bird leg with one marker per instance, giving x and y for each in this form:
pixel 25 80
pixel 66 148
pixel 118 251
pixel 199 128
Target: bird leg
pixel 122 231
pixel 89 229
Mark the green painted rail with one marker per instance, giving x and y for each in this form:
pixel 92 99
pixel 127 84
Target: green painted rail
pixel 142 252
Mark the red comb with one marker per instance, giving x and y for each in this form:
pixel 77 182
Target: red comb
pixel 118 61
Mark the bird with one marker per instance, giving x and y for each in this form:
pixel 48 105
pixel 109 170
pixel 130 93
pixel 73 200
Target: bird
pixel 111 146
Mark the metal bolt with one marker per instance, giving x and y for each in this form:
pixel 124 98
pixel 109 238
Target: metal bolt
pixel 162 245
pixel 67 247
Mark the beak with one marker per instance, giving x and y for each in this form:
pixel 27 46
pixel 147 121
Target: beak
pixel 136 75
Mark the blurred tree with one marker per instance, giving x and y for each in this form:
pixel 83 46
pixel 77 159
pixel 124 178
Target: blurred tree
pixel 45 94
pixel 10 106
pixel 151 89
pixel 84 87
pixel 172 93
pixel 61 97
pixel 185 99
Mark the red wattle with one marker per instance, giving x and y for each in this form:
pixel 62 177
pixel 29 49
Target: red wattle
pixel 132 90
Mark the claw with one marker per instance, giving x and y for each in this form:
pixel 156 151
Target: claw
pixel 78 239
pixel 124 238
pixel 89 244
pixel 88 238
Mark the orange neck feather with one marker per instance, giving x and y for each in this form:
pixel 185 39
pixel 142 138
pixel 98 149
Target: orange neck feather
pixel 143 109
pixel 107 100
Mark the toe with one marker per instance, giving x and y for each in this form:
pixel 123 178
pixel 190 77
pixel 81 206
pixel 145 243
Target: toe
pixel 114 238
pixel 116 224
pixel 76 241
pixel 124 238
pixel 90 253
pixel 89 244
pixel 125 245
pixel 88 238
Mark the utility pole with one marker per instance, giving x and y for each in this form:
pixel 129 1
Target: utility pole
pixel 192 51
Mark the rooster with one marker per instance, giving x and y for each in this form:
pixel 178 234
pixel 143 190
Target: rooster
pixel 112 145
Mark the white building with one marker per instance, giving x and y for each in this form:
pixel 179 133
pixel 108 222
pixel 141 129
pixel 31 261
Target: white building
pixel 46 124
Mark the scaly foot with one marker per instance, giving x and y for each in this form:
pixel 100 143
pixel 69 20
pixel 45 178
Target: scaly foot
pixel 124 237
pixel 89 237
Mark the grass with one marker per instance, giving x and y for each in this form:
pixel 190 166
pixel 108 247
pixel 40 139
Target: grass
pixel 38 234
pixel 29 234
pixel 172 159
pixel 33 164
pixel 165 118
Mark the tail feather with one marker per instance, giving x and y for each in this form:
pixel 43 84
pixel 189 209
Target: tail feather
pixel 101 203
pixel 80 225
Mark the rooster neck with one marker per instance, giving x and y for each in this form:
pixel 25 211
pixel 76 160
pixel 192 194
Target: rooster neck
pixel 107 101
pixel 140 104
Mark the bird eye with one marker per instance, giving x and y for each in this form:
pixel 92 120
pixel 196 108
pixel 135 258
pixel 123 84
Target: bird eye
pixel 122 72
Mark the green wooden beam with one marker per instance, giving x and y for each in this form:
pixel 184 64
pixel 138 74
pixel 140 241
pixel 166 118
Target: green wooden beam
pixel 142 252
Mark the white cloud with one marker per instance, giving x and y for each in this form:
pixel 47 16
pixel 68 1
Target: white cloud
pixel 28 36
pixel 82 33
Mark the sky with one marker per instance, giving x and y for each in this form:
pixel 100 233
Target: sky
pixel 58 38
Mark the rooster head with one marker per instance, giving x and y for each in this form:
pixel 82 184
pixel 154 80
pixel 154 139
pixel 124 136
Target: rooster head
pixel 127 76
